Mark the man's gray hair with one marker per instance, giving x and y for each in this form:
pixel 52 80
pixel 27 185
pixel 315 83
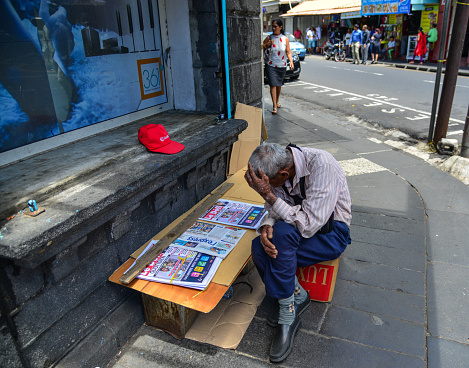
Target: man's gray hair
pixel 270 158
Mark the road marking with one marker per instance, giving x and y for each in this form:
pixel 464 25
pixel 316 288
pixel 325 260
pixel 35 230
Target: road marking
pixel 418 117
pixel 455 132
pixel 355 70
pixel 373 104
pixel 441 83
pixel 359 166
pixel 358 97
pixel 375 140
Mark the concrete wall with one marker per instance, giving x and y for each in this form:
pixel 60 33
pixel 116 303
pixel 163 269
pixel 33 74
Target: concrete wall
pixel 244 53
pixel 56 306
pixel 60 310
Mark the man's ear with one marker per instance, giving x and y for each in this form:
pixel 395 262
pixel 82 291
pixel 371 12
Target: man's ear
pixel 283 174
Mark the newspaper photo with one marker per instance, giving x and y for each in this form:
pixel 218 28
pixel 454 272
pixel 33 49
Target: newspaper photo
pixel 212 239
pixel 182 267
pixel 233 213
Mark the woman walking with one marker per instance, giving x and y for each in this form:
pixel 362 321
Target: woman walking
pixel 375 46
pixel 421 48
pixel 276 51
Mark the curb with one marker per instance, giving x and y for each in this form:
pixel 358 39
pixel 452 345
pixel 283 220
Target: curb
pixel 464 73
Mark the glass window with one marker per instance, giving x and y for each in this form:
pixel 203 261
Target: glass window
pixel 73 64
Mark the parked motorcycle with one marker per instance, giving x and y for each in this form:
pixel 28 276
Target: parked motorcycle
pixel 335 51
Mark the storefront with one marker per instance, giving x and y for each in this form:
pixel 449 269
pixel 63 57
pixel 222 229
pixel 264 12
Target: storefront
pixel 390 17
pixel 324 15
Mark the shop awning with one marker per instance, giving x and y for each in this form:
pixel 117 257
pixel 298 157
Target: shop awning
pixel 317 7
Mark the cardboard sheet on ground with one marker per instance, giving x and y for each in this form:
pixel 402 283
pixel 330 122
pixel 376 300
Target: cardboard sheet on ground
pixel 226 325
pixel 227 272
pixel 249 139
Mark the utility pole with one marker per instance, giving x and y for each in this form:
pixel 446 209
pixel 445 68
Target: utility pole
pixel 452 68
pixel 439 67
pixel 465 138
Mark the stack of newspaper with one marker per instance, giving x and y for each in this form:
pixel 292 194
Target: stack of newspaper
pixel 193 259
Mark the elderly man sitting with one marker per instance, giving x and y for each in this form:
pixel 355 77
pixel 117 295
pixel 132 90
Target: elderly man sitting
pixel 309 214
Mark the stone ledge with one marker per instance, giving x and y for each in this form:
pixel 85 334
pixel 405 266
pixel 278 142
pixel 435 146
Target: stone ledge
pixel 126 170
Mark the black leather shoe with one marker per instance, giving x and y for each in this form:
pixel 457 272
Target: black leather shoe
pixel 272 319
pixel 282 343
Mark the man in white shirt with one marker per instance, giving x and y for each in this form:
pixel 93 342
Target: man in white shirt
pixel 310 37
pixel 309 214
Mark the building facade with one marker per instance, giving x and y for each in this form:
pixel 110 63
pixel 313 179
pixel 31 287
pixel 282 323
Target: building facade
pixel 78 79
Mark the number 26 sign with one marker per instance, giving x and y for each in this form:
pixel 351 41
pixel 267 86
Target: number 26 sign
pixel 150 75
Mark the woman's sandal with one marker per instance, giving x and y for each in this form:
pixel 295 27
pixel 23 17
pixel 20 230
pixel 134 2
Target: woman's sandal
pixel 278 105
pixel 274 110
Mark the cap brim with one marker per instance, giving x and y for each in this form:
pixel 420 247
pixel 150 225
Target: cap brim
pixel 169 149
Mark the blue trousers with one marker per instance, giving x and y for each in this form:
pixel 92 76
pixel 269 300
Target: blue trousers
pixel 295 251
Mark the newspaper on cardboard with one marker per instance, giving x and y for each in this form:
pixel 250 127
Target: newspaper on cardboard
pixel 215 240
pixel 181 267
pixel 234 213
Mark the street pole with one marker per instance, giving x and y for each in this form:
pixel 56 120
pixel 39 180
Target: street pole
pixel 452 68
pixel 441 57
pixel 465 138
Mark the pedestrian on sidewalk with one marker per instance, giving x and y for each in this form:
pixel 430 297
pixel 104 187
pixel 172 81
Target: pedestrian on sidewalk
pixel 421 48
pixel 356 42
pixel 348 40
pixel 375 46
pixel 276 52
pixel 298 34
pixel 432 36
pixel 309 213
pixel 365 43
pixel 310 37
pixel 389 48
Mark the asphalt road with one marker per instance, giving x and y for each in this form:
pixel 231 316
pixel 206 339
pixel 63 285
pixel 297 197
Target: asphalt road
pixel 392 97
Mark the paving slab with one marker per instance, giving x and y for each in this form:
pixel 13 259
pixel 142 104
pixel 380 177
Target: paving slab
pixel 439 190
pixel 447 354
pixel 403 196
pixel 448 301
pixel 150 351
pixel 384 222
pixel 411 242
pixel 372 299
pixel 396 159
pixel 316 350
pixel 375 330
pixel 384 276
pixel 448 237
pixel 386 255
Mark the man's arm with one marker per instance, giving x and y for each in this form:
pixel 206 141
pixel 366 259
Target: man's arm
pixel 322 193
pixel 261 185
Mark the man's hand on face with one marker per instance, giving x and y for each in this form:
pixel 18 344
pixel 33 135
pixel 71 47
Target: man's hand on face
pixel 266 236
pixel 260 185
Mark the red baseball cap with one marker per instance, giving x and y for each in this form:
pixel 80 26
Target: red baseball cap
pixel 156 139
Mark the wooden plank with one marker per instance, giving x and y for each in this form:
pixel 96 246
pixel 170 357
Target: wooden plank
pixel 182 226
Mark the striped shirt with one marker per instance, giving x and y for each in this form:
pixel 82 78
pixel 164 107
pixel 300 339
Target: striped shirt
pixel 326 192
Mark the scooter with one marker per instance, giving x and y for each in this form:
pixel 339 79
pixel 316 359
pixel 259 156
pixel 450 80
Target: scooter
pixel 336 51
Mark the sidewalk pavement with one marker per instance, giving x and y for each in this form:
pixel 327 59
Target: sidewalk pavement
pixel 401 297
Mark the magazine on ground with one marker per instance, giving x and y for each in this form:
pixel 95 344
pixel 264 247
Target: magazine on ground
pixel 181 267
pixel 234 213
